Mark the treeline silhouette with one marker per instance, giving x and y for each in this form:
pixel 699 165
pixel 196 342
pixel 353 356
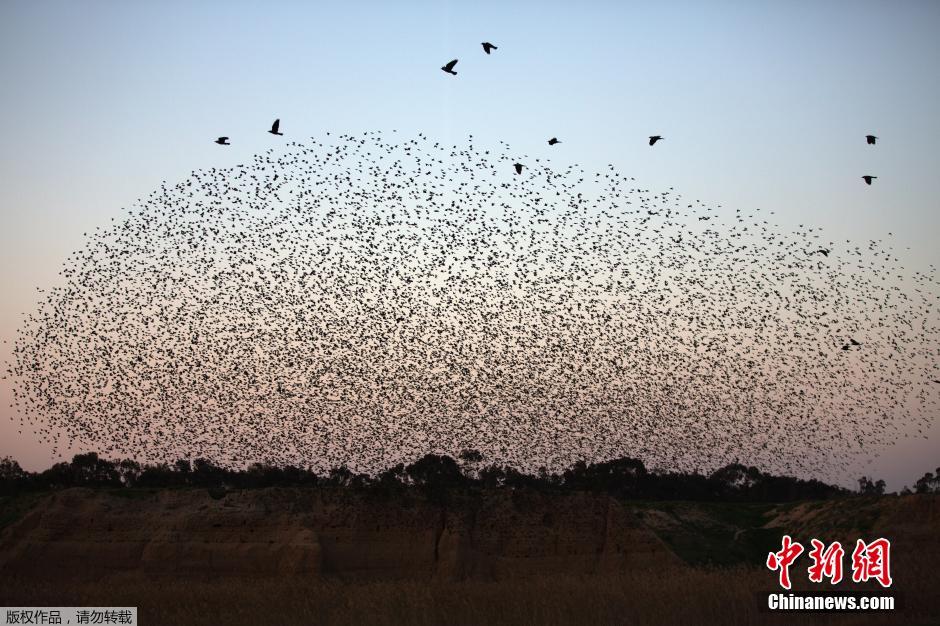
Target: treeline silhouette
pixel 436 474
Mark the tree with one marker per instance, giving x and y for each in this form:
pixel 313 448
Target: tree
pixel 12 476
pixel 433 470
pixel 492 476
pixel 341 477
pixel 624 476
pixel 470 461
pixel 928 483
pixel 159 475
pixel 868 488
pixel 10 470
pixel 393 477
pixel 738 477
pixel 56 477
pixel 205 473
pixel 88 469
pixel 128 472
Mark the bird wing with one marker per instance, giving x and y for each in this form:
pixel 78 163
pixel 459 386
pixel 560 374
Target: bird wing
pixel 275 125
pixel 451 65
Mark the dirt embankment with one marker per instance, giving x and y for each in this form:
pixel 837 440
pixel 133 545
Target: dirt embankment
pixel 326 533
pixel 498 535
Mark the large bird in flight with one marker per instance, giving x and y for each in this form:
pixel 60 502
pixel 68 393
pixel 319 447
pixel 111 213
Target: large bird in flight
pixel 868 179
pixel 870 139
pixel 487 46
pixel 654 139
pixel 275 126
pixel 223 141
pixel 449 68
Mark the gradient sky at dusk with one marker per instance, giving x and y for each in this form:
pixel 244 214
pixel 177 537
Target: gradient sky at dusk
pixel 762 105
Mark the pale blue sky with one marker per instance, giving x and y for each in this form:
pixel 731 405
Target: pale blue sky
pixel 763 104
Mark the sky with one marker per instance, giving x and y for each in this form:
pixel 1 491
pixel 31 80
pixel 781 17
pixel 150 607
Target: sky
pixel 762 104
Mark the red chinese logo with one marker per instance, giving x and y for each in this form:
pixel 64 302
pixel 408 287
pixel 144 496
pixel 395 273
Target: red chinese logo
pixel 827 563
pixel 869 561
pixel 783 559
pixel 872 560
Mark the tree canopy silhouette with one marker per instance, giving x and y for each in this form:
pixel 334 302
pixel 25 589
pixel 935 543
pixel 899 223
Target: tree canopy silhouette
pixel 437 475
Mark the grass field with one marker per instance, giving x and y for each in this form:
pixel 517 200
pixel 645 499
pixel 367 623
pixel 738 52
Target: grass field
pixel 680 596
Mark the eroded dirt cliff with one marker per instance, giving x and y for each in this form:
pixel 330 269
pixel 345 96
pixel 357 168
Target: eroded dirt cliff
pixel 327 533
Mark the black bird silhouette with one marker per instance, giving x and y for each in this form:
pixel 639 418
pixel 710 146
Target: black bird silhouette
pixel 518 167
pixel 853 342
pixel 868 179
pixel 553 141
pixel 654 139
pixel 274 127
pixel 487 46
pixel 449 68
pixel 223 141
pixel 870 139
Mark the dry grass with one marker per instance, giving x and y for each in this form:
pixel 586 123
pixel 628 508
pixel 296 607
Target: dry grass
pixel 679 596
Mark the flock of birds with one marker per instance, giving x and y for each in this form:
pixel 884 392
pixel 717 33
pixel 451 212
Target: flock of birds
pixel 366 299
